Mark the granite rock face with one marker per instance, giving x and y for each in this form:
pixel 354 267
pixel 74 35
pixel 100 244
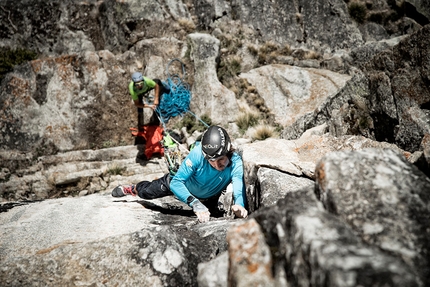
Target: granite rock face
pixel 351 229
pixel 360 219
pixel 386 202
pixel 388 101
pixel 341 199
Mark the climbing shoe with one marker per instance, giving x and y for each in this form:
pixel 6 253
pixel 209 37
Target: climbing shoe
pixel 120 190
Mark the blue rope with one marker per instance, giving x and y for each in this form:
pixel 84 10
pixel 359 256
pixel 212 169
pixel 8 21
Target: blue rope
pixel 172 104
pixel 205 124
pixel 177 101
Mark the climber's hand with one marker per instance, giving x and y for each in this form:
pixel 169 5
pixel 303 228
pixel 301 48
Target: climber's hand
pixel 239 211
pixel 201 211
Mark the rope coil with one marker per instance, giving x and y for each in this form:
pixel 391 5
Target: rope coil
pixel 173 104
pixel 177 101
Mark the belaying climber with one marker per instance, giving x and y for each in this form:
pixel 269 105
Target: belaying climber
pixel 139 89
pixel 207 171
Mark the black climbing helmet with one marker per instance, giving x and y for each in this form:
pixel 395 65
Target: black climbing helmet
pixel 215 142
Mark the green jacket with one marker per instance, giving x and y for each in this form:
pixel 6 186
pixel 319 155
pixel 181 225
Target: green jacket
pixel 148 85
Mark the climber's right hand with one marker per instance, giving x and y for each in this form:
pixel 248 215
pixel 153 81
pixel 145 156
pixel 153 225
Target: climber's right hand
pixel 201 211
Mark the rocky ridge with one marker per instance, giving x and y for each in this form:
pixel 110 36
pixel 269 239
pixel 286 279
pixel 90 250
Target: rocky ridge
pixel 341 199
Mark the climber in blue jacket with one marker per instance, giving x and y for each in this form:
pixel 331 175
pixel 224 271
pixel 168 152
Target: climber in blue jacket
pixel 205 173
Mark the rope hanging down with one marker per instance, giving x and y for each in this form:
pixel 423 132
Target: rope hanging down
pixel 173 104
pixel 177 101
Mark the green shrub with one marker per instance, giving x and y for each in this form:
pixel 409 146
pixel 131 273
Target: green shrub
pixel 187 24
pixel 263 132
pixel 262 59
pixel 116 170
pixel 246 120
pixel 191 123
pixel 108 144
pixel 205 118
pixel 269 47
pixel 253 49
pixel 376 18
pixel 357 11
pixel 312 55
pixel 229 68
pixel 286 50
pixel 235 65
pixel 267 52
pixel 9 58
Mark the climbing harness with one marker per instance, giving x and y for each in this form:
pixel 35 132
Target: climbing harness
pixel 172 153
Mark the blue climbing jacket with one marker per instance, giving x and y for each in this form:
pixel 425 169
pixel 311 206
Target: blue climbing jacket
pixel 198 178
